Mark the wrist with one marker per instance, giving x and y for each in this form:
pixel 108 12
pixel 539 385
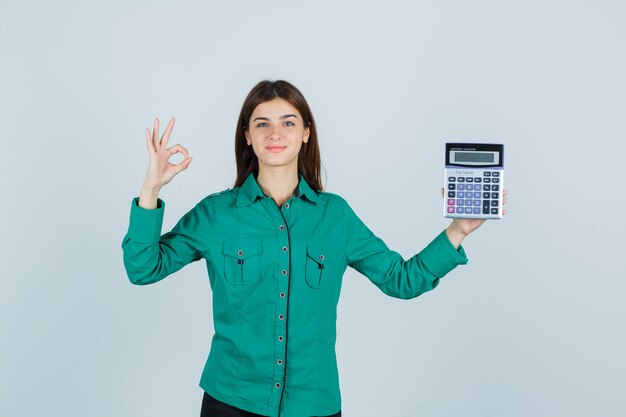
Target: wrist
pixel 455 234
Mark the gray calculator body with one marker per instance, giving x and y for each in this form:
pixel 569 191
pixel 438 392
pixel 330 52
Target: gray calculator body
pixel 474 180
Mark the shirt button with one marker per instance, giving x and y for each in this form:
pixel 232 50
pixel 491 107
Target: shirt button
pixel 281 227
pixel 240 252
pixel 284 248
pixel 277 385
pixel 321 257
pixel 284 272
pixel 280 338
pixel 280 361
pixel 282 295
pixel 286 205
pixel 280 317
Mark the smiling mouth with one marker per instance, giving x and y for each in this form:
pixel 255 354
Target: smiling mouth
pixel 276 148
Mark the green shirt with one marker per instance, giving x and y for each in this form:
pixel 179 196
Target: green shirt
pixel 275 274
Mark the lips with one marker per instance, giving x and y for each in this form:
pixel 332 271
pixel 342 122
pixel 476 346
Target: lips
pixel 276 148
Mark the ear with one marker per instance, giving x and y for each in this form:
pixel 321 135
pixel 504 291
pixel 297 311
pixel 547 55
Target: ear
pixel 247 137
pixel 307 132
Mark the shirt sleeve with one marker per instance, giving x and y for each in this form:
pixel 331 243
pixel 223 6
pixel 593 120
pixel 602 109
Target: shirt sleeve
pixel 148 256
pixel 386 268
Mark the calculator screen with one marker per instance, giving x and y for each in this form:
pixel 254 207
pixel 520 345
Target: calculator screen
pixel 474 157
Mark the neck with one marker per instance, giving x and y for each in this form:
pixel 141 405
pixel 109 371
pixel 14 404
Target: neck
pixel 278 182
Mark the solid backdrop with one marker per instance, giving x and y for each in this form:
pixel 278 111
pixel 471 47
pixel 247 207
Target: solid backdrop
pixel 533 325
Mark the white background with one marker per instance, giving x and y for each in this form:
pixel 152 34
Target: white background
pixel 533 325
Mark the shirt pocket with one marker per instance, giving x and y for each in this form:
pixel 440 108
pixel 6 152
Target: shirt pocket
pixel 242 261
pixel 321 265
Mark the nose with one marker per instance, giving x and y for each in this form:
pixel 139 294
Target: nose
pixel 275 134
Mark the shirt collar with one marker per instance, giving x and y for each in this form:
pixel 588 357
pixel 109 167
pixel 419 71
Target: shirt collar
pixel 250 190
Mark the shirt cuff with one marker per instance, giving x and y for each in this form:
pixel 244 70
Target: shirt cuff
pixel 441 257
pixel 145 224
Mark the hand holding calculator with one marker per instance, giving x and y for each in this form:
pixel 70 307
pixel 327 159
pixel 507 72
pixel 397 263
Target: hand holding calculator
pixel 474 180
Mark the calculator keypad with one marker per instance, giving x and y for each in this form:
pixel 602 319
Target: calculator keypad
pixel 474 194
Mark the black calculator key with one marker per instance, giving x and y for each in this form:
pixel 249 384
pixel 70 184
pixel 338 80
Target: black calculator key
pixel 495 187
pixel 469 179
pixel 451 187
pixel 451 194
pixel 494 211
pixel 495 174
pixel 451 179
pixel 495 180
pixel 494 203
pixel 461 179
pixel 494 195
pixel 487 173
pixel 485 206
pixel 487 179
pixel 478 179
pixel 486 187
pixel 486 210
pixel 486 195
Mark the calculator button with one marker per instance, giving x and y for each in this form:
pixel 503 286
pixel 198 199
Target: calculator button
pixel 478 179
pixel 468 210
pixel 494 203
pixel 477 202
pixel 476 210
pixel 469 187
pixel 495 187
pixel 460 202
pixel 486 205
pixel 487 179
pixel 461 179
pixel 459 210
pixel 468 202
pixel 495 180
pixel 494 211
pixel 450 193
pixel 469 179
pixel 460 194
pixel 485 195
pixel 487 174
pixel 460 186
pixel 450 209
pixel 494 195
pixel 485 210
pixel 451 201
pixel 495 174
pixel 450 186
pixel 486 187
pixel 451 179
pixel 476 195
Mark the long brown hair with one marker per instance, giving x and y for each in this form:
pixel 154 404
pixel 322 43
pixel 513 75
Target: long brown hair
pixel 309 161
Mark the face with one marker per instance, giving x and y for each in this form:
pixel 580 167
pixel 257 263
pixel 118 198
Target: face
pixel 276 132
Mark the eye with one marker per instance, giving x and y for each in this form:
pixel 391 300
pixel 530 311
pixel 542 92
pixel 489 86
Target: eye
pixel 262 124
pixel 288 123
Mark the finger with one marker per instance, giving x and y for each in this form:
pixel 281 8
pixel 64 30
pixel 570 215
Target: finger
pixel 442 191
pixel 166 134
pixel 179 148
pixel 149 141
pixel 504 212
pixel 155 133
pixel 182 166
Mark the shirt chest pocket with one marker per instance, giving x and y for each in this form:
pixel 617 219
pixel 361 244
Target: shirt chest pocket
pixel 321 265
pixel 242 261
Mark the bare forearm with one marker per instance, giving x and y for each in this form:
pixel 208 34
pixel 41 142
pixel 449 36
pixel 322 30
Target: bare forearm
pixel 455 234
pixel 148 197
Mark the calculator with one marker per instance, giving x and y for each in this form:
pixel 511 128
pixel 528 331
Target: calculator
pixel 474 175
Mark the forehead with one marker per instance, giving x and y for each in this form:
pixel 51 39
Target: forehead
pixel 275 107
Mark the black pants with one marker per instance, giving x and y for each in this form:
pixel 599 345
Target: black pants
pixel 212 407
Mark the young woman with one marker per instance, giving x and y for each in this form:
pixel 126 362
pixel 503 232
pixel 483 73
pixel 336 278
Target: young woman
pixel 276 247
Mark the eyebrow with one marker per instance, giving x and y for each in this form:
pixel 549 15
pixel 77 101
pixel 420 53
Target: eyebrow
pixel 284 116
